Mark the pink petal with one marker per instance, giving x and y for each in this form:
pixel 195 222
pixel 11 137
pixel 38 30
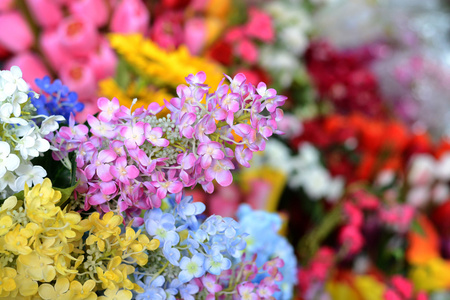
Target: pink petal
pixel 132 172
pixel 104 173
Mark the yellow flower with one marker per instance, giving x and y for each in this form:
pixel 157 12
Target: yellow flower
pixel 26 285
pixel 116 294
pixel 60 290
pixel 112 275
pixel 7 282
pixel 83 291
pixel 6 223
pixel 17 242
pixel 38 267
pixel 8 204
pixel 431 276
pixel 160 66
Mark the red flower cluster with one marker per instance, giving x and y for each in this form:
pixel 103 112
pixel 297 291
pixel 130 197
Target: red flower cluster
pixel 344 78
pixel 358 148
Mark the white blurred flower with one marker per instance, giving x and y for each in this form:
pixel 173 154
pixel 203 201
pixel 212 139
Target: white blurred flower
pixel 443 167
pixel 8 180
pixel 422 168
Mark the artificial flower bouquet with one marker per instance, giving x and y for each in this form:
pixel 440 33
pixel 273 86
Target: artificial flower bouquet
pixel 97 210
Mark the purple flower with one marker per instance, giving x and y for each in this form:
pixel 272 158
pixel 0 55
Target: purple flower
pixel 124 172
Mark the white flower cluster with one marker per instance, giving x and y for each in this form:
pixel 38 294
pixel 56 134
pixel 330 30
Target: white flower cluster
pixel 428 178
pixel 303 170
pixel 292 25
pixel 21 139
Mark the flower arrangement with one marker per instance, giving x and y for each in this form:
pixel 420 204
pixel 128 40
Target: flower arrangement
pixel 119 224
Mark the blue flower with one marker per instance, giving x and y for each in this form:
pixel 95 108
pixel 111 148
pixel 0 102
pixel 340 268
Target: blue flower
pixel 216 264
pixel 161 226
pixel 191 268
pixel 153 289
pixel 55 99
pixel 187 290
pixel 172 254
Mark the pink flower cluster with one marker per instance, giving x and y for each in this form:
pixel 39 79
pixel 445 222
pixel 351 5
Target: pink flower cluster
pixel 244 273
pixel 70 39
pixel 397 217
pixel 129 160
pixel 402 289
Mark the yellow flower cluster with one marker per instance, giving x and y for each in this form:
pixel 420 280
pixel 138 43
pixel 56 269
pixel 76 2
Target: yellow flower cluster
pixel 110 89
pixel 163 68
pixel 44 252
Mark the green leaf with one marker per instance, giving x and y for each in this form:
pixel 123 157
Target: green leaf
pixel 65 193
pixel 417 228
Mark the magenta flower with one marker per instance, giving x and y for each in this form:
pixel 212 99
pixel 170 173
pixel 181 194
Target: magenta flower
pixel 124 172
pixel 153 135
pixel 134 135
pixel 243 155
pixel 101 129
pixel 108 109
pixel 186 129
pixel 210 283
pixel 246 291
pixel 204 127
pixel 99 165
pixel 209 151
pixel 220 171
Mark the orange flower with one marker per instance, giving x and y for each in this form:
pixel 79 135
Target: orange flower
pixel 423 247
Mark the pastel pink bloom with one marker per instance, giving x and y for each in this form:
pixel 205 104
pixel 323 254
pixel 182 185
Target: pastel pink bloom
pixel 94 10
pixel 133 134
pixel 247 50
pixel 209 282
pixel 153 135
pixel 220 205
pixel 403 286
pixel 101 129
pixel 5 5
pixel 206 126
pixel 46 13
pixel 220 171
pixel 163 186
pixel 108 109
pixel 351 238
pixel 50 44
pixel 246 289
pixel 167 30
pixel 195 35
pixel 77 36
pixel 185 125
pixel 391 295
pixel 243 155
pixel 79 78
pixel 260 25
pixel 103 61
pixel 31 65
pixel 122 171
pixel 209 151
pixel 99 165
pixel 130 16
pixel 16 35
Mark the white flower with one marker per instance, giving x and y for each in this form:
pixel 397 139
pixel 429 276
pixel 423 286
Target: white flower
pixel 422 169
pixel 16 100
pixel 8 161
pixel 14 77
pixel 6 111
pixel 443 167
pixel 29 146
pixel 50 124
pixel 335 189
pixel 8 180
pixel 29 174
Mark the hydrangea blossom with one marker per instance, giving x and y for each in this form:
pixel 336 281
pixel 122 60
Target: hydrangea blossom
pixel 23 134
pixel 196 258
pixel 131 160
pixel 263 239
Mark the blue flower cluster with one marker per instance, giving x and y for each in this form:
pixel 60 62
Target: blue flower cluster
pixel 189 248
pixel 264 240
pixel 55 99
